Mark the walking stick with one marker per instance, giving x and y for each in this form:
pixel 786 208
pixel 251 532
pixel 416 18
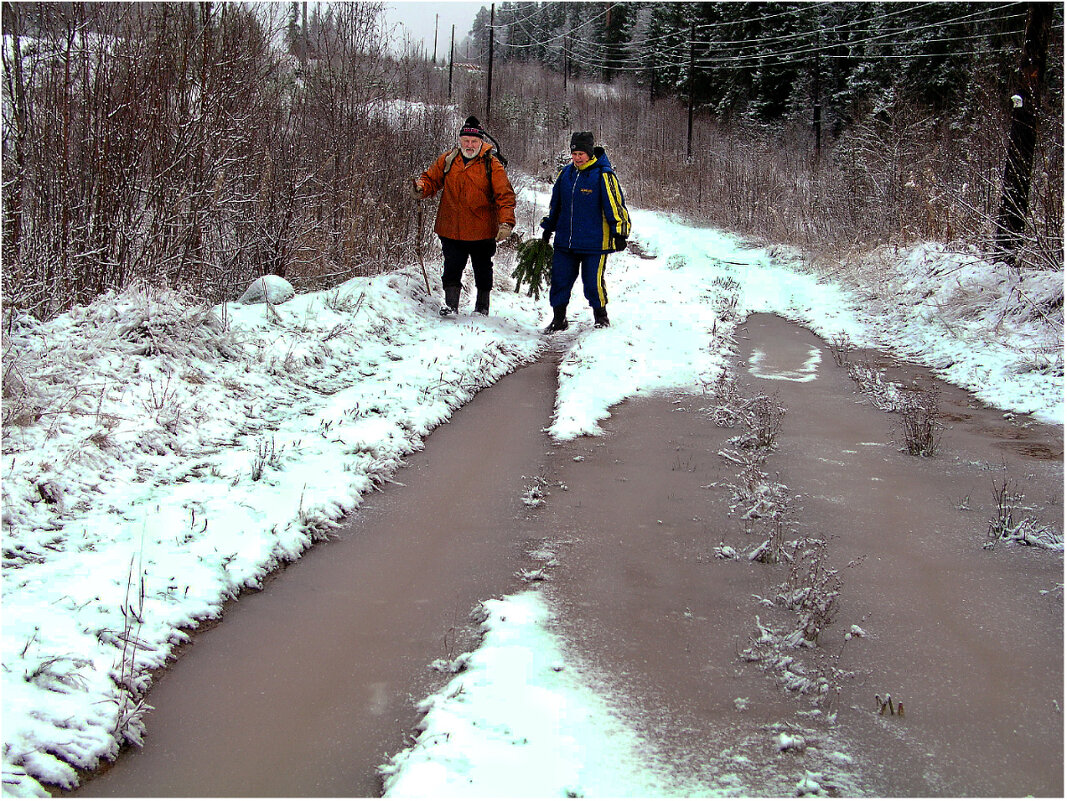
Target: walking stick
pixel 418 243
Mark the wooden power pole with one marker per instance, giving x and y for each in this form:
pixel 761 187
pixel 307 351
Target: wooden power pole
pixel 816 112
pixel 692 86
pixel 436 22
pixel 1019 162
pixel 451 58
pixel 489 82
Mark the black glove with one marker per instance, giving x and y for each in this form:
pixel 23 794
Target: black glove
pixel 619 241
pixel 546 235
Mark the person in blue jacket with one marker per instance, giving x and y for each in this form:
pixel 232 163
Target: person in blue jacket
pixel 588 215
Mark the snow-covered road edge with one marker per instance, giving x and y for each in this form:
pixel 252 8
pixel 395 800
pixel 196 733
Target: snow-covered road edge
pixel 519 721
pixel 177 459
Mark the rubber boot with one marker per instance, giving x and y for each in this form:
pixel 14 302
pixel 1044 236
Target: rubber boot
pixel 600 317
pixel 481 304
pixel 559 319
pixel 451 301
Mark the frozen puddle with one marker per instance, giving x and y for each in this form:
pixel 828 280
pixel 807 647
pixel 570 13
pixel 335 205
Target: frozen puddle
pixel 786 364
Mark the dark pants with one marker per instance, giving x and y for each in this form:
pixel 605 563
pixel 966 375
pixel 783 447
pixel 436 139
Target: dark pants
pixel 457 251
pixel 566 265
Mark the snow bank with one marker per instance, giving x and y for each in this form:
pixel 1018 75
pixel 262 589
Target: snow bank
pixel 980 324
pixel 168 456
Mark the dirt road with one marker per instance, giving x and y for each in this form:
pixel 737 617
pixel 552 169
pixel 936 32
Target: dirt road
pixel 307 686
pixel 962 635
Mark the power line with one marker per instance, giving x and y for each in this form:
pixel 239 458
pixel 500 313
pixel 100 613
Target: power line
pixel 867 21
pixel 593 55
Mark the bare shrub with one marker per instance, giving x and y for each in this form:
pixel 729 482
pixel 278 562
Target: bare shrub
pixel 765 420
pixel 840 347
pixel 772 550
pixel 729 403
pixel 813 590
pixel 192 151
pixel 754 493
pixel 762 416
pixel 918 410
pixel 1003 526
pixel 19 408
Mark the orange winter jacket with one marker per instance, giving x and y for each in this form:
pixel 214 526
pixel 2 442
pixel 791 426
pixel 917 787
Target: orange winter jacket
pixel 467 211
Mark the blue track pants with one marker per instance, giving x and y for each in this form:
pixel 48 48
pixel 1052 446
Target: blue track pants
pixel 567 265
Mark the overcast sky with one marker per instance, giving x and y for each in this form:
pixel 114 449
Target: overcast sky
pixel 418 19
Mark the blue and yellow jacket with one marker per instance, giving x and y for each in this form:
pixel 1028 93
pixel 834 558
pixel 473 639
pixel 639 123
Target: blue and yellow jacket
pixel 587 209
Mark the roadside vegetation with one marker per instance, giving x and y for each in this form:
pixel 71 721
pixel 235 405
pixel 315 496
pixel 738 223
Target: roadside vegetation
pixel 199 146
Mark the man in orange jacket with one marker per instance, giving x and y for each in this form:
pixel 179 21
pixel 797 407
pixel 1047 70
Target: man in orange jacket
pixel 477 210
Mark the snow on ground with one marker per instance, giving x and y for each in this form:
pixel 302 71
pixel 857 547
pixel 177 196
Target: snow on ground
pixel 518 722
pixel 159 457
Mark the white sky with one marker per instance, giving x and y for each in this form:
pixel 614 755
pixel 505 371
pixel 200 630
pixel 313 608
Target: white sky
pixel 418 19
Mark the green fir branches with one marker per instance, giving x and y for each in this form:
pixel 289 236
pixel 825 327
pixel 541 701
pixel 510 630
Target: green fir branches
pixel 533 266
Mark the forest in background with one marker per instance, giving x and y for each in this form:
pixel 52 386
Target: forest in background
pixel 199 145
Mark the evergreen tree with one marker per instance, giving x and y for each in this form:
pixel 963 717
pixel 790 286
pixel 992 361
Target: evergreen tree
pixel 764 60
pixel 663 52
pixel 479 36
pixel 614 36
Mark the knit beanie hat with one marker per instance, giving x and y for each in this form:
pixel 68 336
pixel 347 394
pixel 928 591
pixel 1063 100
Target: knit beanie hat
pixel 471 127
pixel 582 140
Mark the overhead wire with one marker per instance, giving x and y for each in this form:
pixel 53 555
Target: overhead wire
pixel 874 38
pixel 591 54
pixel 866 21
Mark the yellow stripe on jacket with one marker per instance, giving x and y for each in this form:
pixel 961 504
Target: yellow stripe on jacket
pixel 618 208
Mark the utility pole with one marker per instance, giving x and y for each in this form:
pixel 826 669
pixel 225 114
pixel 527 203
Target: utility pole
pixel 605 72
pixel 451 58
pixel 566 66
pixel 304 33
pixel 489 85
pixel 689 138
pixel 436 21
pixel 1018 166
pixel 816 114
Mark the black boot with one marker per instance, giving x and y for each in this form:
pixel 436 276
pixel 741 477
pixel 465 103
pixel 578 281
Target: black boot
pixel 559 319
pixel 481 304
pixel 451 301
pixel 600 317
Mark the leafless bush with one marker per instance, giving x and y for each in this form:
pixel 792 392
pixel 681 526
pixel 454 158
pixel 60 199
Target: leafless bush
pixel 772 550
pixel 896 174
pixel 840 347
pixel 726 299
pixel 267 455
pixel 1005 499
pixel 729 404
pixel 765 415
pixel 1007 502
pixel 762 416
pixel 813 590
pixel 918 410
pixel 177 144
pixel 884 394
pixel 754 493
pixel 18 406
